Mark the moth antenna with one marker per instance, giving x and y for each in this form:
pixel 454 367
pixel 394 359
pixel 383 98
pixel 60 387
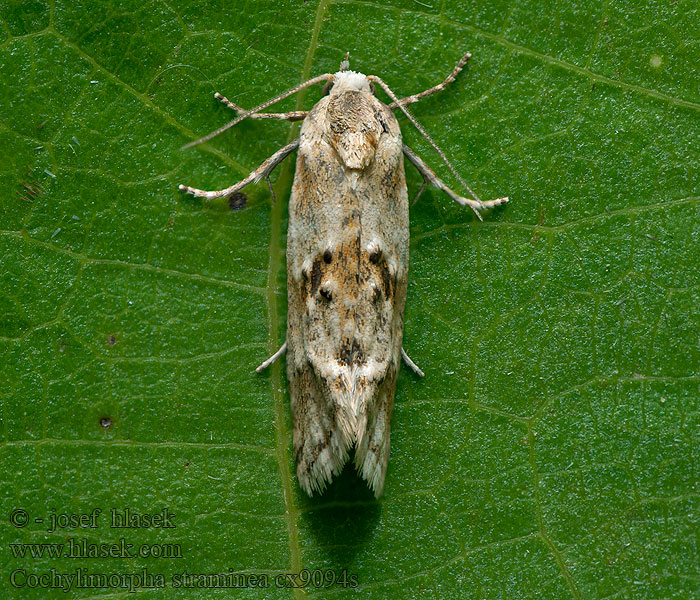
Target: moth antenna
pixel 239 118
pixel 423 132
pixel 345 63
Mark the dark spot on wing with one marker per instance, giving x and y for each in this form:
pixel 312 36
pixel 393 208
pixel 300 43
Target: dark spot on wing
pixel 326 293
pixel 345 353
pixel 350 353
pixel 315 277
pixel 386 279
pixel 385 127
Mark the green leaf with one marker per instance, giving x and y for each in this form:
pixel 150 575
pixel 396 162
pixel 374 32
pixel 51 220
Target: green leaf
pixel 550 452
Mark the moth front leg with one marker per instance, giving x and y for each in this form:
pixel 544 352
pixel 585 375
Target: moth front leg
pixel 436 88
pixel 262 171
pixel 292 115
pixel 429 176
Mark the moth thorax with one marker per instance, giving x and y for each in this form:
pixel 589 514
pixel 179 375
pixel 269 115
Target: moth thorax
pixel 352 128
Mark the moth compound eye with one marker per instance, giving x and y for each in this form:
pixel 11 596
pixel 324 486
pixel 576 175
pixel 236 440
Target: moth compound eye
pixel 372 88
pixel 327 257
pixel 328 87
pixel 326 292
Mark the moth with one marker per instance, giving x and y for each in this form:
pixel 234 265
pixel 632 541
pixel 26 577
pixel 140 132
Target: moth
pixel 347 267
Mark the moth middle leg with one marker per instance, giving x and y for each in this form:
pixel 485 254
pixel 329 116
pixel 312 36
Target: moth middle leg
pixel 266 363
pixel 410 364
pixel 263 170
pixel 429 176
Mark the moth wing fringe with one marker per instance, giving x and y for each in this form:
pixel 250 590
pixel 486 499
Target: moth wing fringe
pixel 372 447
pixel 367 405
pixel 315 477
pixel 362 423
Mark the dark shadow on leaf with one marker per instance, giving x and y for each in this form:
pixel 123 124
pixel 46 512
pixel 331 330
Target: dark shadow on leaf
pixel 342 520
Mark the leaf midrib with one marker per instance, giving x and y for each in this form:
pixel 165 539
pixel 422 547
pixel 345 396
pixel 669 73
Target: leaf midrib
pixel 283 433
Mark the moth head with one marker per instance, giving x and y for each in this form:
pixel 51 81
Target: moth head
pixel 344 66
pixel 348 81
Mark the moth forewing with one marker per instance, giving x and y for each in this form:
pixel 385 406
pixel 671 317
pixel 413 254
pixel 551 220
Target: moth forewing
pixel 347 261
pixel 347 266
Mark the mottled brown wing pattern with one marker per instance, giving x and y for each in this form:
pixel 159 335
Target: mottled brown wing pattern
pixel 347 253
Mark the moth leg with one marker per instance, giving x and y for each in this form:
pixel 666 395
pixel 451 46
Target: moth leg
pixel 420 191
pixel 273 358
pixel 262 171
pixel 410 364
pixel 430 177
pixel 441 86
pixel 292 115
pixel 269 186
